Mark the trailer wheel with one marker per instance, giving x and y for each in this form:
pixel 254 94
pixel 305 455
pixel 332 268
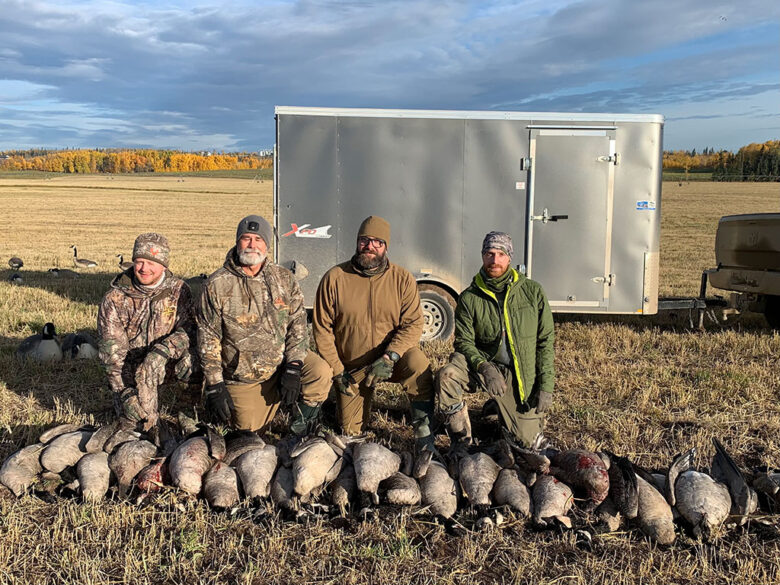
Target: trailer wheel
pixel 772 311
pixel 438 308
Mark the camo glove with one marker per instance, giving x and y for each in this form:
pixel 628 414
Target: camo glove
pixel 344 383
pixel 131 407
pixel 290 382
pixel 382 368
pixel 219 404
pixel 492 378
pixel 543 402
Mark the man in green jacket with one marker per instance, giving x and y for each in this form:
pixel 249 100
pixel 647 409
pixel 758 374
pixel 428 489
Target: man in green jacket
pixel 503 345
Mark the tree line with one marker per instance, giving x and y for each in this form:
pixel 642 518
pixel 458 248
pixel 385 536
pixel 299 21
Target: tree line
pixel 754 162
pixel 128 161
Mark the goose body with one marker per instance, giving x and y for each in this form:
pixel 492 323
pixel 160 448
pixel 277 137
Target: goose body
pixel 439 491
pixel 509 490
pixel 94 476
pixel 16 278
pixel 255 469
pixel 60 272
pixel 81 262
pixel 477 473
pixel 220 486
pixel 128 459
pixel 15 263
pixel 703 502
pixel 79 346
pixel 654 514
pixel 189 463
pixel 552 499
pixel 373 464
pixel 124 265
pixel 41 347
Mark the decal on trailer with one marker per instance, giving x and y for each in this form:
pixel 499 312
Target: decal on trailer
pixel 645 205
pixel 304 231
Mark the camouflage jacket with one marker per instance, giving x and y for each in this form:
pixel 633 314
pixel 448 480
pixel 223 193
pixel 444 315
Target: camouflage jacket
pixel 248 326
pixel 133 318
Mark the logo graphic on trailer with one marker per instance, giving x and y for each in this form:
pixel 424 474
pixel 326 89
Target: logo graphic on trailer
pixel 304 231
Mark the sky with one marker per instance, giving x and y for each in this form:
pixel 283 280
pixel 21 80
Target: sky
pixel 205 75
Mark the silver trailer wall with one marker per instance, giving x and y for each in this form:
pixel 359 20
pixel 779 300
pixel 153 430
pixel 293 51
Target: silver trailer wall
pixel 579 193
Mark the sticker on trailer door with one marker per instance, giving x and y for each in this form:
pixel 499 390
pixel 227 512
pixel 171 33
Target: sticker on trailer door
pixel 304 231
pixel 645 205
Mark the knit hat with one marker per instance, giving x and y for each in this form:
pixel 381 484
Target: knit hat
pixel 254 224
pixel 152 246
pixel 375 227
pixel 498 241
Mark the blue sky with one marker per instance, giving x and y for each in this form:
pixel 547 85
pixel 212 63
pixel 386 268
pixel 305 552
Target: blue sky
pixel 207 75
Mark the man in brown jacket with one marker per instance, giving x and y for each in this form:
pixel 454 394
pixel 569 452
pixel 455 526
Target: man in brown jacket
pixel 146 325
pixel 253 339
pixel 367 325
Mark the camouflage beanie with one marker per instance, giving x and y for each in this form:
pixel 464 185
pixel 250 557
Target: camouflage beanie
pixel 152 246
pixel 498 241
pixel 254 224
pixel 375 227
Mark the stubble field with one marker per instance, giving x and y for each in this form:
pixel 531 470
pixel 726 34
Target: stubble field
pixel 644 387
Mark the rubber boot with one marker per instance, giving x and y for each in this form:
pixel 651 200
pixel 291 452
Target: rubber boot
pixel 304 418
pixel 424 444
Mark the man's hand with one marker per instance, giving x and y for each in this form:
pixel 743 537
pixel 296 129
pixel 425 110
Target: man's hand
pixel 381 369
pixel 493 379
pixel 543 402
pixel 290 382
pixel 219 404
pixel 344 383
pixel 131 407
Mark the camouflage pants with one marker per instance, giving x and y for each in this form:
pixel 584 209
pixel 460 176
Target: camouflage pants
pixel 256 404
pixel 185 369
pixel 455 378
pixel 413 372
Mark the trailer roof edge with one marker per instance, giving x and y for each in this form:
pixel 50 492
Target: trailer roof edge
pixel 468 114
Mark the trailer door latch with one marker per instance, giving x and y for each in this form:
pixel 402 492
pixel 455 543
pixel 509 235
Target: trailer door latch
pixel 609 280
pixel 545 217
pixel 613 158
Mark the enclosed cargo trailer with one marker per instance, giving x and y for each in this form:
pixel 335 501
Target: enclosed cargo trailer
pixel 580 194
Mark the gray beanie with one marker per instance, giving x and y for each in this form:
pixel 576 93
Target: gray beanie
pixel 152 246
pixel 498 241
pixel 254 224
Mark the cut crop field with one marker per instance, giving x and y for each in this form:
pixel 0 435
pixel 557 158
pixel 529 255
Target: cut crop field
pixel 644 387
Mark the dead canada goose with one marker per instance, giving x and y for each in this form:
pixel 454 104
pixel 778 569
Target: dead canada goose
pixel 373 463
pixel 220 486
pixel 94 475
pixel 622 486
pixel 124 265
pixel 16 278
pixel 128 459
pixel 654 514
pixel 41 347
pixel 477 473
pixel 401 490
pixel 439 491
pixel 509 490
pixel 81 262
pixel 189 463
pixel 15 263
pixel 552 499
pixel 63 272
pixel 744 499
pixel 255 469
pixel 65 450
pixel 79 346
pixel 314 465
pixel 582 469
pixel 21 469
pixel 344 488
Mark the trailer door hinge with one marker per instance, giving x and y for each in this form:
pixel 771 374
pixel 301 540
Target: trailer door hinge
pixel 609 280
pixel 613 158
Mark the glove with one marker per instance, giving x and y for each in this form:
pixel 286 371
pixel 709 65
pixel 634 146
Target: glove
pixel 290 382
pixel 493 379
pixel 219 404
pixel 381 369
pixel 344 383
pixel 543 401
pixel 151 372
pixel 131 407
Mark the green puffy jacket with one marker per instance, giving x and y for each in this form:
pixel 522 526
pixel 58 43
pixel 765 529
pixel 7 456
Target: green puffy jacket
pixel 528 321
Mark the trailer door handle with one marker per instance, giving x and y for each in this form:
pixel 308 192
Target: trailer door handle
pixel 558 217
pixel 545 217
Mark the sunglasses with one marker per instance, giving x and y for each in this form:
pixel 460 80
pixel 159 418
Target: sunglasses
pixel 373 242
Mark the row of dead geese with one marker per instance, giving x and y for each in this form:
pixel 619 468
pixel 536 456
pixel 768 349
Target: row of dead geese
pixel 339 474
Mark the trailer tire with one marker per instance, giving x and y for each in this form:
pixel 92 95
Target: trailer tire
pixel 438 308
pixel 772 311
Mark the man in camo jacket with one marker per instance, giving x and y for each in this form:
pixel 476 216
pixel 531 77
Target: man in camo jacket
pixel 147 330
pixel 253 339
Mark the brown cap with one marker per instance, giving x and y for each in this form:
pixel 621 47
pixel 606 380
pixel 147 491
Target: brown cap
pixel 152 246
pixel 375 227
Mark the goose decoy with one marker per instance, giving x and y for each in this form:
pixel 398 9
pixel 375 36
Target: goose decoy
pixel 64 272
pixel 41 347
pixel 16 278
pixel 81 262
pixel 15 263
pixel 124 265
pixel 79 346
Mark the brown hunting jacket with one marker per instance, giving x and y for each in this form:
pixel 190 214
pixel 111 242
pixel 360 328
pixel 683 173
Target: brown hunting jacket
pixel 357 318
pixel 134 318
pixel 247 325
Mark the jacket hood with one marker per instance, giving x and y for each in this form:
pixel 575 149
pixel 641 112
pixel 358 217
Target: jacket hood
pixel 125 282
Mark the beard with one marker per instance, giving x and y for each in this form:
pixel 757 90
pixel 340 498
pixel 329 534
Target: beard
pixel 251 257
pixel 369 260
